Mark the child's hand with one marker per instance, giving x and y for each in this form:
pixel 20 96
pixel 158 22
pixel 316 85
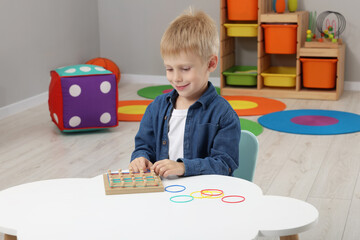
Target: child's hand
pixel 168 167
pixel 140 163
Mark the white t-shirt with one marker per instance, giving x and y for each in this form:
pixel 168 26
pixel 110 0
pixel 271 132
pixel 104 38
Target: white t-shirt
pixel 176 133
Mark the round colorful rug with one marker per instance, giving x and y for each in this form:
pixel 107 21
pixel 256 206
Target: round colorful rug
pixel 312 122
pixel 132 110
pixel 251 126
pixel 251 106
pixel 154 91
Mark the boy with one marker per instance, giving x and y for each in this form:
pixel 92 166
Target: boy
pixel 191 130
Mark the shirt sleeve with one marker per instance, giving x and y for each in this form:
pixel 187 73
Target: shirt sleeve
pixel 145 137
pixel 224 153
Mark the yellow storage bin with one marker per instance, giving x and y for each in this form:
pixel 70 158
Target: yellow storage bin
pixel 279 77
pixel 241 30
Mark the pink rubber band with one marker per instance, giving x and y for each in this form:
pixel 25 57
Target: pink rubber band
pixel 233 196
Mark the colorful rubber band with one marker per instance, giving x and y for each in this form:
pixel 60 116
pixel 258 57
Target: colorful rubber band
pixel 204 196
pixel 167 188
pixel 184 196
pixel 215 197
pixel 193 193
pixel 206 191
pixel 233 196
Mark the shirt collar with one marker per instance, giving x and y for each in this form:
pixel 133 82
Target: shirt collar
pixel 204 101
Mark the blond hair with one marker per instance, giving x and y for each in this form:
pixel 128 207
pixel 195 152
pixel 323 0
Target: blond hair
pixel 192 31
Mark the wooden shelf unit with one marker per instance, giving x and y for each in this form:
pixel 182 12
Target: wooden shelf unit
pixel 265 15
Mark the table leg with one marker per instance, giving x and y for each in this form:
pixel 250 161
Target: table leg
pixel 292 237
pixel 10 237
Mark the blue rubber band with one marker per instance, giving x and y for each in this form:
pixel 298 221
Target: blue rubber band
pixel 166 189
pixel 185 201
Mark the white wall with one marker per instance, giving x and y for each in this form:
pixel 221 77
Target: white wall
pixel 40 35
pixel 131 30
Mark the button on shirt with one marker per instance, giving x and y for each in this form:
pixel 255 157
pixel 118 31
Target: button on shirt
pixel 211 136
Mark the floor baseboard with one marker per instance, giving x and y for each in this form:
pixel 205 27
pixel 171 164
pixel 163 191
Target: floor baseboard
pixel 23 105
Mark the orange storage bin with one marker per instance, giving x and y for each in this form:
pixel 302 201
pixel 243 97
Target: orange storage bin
pixel 319 73
pixel 280 38
pixel 242 10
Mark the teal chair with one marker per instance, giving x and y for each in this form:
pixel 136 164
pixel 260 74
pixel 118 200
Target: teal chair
pixel 248 151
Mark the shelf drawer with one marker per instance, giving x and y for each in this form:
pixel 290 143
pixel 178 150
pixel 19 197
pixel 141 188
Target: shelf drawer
pixel 318 72
pixel 280 38
pixel 241 76
pixel 241 30
pixel 242 10
pixel 279 77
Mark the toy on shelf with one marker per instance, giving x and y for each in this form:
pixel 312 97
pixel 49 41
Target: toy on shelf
pixel 330 25
pixel 83 97
pixel 274 5
pixel 310 33
pixel 108 65
pixel 292 5
pixel 132 182
pixel 280 6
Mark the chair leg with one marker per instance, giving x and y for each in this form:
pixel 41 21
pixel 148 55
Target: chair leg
pixel 10 237
pixel 291 237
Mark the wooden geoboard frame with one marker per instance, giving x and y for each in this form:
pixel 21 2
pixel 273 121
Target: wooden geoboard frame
pixel 138 182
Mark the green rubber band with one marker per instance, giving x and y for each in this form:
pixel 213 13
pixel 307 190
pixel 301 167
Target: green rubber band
pixel 188 196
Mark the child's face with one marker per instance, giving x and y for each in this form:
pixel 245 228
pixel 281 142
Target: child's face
pixel 188 74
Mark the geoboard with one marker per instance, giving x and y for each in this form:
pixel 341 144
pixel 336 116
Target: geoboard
pixel 132 182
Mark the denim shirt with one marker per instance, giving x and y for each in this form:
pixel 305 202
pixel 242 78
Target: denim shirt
pixel 211 137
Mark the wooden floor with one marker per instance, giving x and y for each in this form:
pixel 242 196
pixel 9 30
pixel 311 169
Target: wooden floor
pixel 322 170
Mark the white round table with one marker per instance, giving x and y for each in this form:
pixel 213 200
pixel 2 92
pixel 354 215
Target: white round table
pixel 79 209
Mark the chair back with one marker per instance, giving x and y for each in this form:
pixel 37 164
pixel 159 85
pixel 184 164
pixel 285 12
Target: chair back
pixel 248 151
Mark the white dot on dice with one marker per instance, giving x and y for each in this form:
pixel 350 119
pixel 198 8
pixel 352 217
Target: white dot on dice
pixel 56 118
pixel 71 70
pixel 75 90
pixel 105 87
pixel 105 118
pixel 85 69
pixel 75 121
pixel 101 69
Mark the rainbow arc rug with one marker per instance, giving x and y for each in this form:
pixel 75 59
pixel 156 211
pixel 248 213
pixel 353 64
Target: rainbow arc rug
pixel 253 106
pixel 132 110
pixel 251 126
pixel 312 122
